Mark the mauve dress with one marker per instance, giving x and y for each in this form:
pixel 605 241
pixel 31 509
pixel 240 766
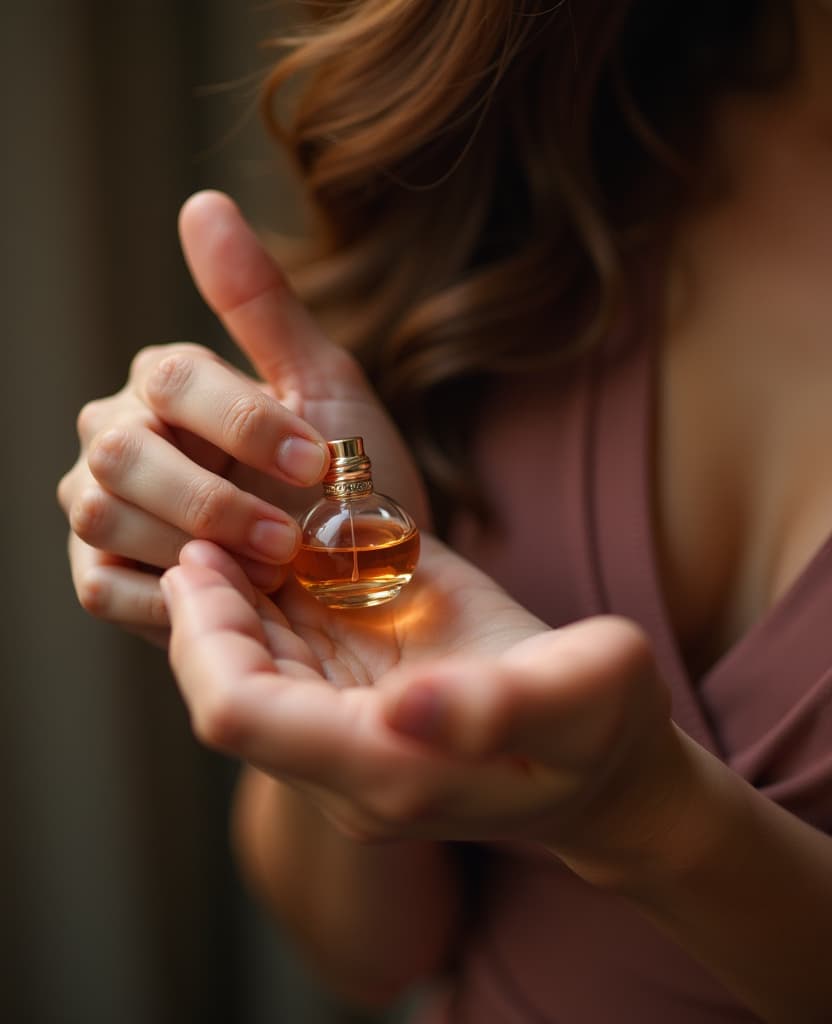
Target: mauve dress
pixel 568 466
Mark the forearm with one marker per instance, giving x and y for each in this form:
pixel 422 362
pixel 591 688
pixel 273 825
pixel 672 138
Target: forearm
pixel 373 918
pixel 746 888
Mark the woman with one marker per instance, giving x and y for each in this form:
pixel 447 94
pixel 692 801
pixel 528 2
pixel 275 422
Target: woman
pixel 580 250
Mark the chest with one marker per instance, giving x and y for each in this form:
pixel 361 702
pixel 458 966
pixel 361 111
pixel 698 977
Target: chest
pixel 690 487
pixel 741 472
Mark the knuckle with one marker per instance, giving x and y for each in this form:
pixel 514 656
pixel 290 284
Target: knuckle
pixel 94 594
pixel 88 515
pixel 144 359
pixel 110 452
pixel 65 490
pixel 89 418
pixel 218 721
pixel 246 419
pixel 169 379
pixel 207 504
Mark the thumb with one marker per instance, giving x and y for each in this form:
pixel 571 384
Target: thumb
pixel 564 697
pixel 250 294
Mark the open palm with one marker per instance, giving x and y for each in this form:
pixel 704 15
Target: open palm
pixel 344 703
pixel 450 608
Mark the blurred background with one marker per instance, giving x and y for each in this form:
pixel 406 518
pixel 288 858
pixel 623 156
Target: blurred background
pixel 118 898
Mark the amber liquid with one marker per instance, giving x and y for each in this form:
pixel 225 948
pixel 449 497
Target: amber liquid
pixel 371 572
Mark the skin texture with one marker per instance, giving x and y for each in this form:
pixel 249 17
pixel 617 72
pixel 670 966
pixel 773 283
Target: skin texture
pixel 454 661
pixel 372 738
pixel 397 729
pixel 182 450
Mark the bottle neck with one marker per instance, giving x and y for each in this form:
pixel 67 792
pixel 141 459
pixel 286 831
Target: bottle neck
pixel 349 488
pixel 349 475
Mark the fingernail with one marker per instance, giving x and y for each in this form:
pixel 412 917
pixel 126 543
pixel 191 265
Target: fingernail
pixel 273 540
pixel 418 713
pixel 301 460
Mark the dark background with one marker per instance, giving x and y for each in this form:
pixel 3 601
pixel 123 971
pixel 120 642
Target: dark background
pixel 119 903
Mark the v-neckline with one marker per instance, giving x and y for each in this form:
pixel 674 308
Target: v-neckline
pixel 622 489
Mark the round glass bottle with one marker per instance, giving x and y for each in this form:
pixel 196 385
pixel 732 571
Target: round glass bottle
pixel 358 548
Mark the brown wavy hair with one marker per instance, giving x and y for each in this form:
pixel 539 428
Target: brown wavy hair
pixel 483 176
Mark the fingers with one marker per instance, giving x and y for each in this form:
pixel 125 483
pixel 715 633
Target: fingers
pixel 217 649
pixel 583 692
pixel 104 521
pixel 105 586
pixel 187 388
pixel 115 592
pixel 254 687
pixel 143 470
pixel 563 696
pixel 106 532
pixel 237 678
pixel 246 289
pixel 262 698
pixel 129 596
pixel 157 457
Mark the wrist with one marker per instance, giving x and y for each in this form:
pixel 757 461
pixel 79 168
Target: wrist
pixel 663 825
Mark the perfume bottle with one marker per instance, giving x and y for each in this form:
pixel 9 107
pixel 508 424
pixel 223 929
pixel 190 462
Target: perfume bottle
pixel 358 548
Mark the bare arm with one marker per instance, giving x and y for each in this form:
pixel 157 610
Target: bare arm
pixel 557 736
pixel 190 447
pixel 745 887
pixel 373 918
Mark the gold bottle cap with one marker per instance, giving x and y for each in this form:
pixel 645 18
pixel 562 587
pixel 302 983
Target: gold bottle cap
pixel 346 448
pixel 349 469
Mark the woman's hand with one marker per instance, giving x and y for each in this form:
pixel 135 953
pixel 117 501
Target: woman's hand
pixel 451 713
pixel 191 447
